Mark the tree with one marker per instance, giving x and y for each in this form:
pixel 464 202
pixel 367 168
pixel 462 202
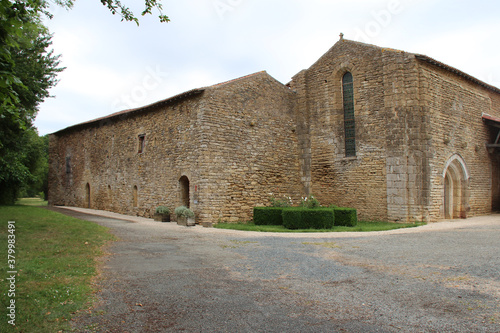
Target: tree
pixel 31 71
pixel 37 161
pixel 115 6
pixel 17 16
pixel 27 71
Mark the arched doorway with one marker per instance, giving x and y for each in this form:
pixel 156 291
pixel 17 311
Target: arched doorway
pixel 456 179
pixel 135 199
pixel 184 187
pixel 87 196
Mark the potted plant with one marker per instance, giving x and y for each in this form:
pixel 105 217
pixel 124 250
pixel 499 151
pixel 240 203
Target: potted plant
pixel 162 214
pixel 185 216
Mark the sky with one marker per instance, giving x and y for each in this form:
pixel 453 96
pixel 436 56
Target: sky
pixel 113 65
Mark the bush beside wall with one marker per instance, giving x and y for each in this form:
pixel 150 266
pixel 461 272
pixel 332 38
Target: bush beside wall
pixel 305 218
pixel 292 218
pixel 308 218
pixel 267 216
pixel 346 217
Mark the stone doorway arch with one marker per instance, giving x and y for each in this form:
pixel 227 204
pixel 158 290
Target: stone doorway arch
pixel 184 187
pixel 456 188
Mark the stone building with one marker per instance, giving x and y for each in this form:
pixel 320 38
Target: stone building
pixel 396 135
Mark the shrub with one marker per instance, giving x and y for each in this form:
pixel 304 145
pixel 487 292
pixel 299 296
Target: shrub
pixel 286 202
pixel 310 202
pixel 267 216
pixel 308 218
pixel 183 211
pixel 346 217
pixel 162 210
pixel 319 218
pixel 292 218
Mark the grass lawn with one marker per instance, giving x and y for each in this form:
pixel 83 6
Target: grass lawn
pixel 361 227
pixel 55 263
pixel 31 202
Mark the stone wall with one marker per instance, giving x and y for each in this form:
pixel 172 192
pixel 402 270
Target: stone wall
pixel 249 144
pixel 105 155
pixel 455 106
pixel 420 144
pixel 385 180
pixel 235 144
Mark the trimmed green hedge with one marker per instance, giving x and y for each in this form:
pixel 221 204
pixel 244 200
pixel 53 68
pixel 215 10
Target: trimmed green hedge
pixel 305 218
pixel 346 217
pixel 267 216
pixel 308 218
pixel 292 217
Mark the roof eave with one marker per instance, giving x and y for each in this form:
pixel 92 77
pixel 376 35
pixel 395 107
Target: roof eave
pixel 455 71
pixel 130 112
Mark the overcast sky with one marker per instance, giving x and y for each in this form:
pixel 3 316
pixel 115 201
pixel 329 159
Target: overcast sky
pixel 114 65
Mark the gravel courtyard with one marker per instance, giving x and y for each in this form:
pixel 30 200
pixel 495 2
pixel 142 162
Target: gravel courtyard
pixel 161 277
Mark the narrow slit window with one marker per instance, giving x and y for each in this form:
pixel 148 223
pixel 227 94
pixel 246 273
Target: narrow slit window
pixel 349 123
pixel 142 139
pixel 68 164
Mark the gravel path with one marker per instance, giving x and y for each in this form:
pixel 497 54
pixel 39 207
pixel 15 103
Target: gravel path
pixel 161 277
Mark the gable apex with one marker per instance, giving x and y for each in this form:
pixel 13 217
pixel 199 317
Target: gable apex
pixel 342 43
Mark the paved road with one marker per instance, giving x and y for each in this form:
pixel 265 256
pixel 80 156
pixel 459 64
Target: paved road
pixel 160 277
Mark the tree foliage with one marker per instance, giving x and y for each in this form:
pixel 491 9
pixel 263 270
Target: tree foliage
pixel 27 72
pixel 28 69
pixel 115 6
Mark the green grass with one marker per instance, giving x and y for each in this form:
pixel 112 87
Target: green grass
pixel 31 202
pixel 55 260
pixel 361 227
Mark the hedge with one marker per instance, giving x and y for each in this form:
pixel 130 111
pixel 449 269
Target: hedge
pixel 305 218
pixel 292 217
pixel 345 217
pixel 308 218
pixel 267 216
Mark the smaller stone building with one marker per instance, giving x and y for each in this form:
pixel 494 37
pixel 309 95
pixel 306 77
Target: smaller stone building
pixel 219 150
pixel 396 135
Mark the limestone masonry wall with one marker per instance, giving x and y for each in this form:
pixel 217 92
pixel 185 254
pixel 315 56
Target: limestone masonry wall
pixel 106 156
pixel 249 145
pixel 221 150
pixel 455 106
pixel 235 144
pixel 385 180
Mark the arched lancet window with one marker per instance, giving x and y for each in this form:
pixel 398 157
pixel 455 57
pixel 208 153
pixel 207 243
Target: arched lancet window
pixel 349 123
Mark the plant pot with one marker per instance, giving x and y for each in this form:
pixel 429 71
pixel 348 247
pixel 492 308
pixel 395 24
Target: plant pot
pixel 162 217
pixel 185 221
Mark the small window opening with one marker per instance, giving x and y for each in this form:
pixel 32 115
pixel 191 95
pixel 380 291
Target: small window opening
pixel 68 165
pixel 142 138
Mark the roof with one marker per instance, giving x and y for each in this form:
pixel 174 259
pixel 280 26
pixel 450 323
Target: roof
pixel 129 112
pixel 491 120
pixel 238 79
pixel 456 71
pixel 168 101
pixel 446 67
pixel 423 58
